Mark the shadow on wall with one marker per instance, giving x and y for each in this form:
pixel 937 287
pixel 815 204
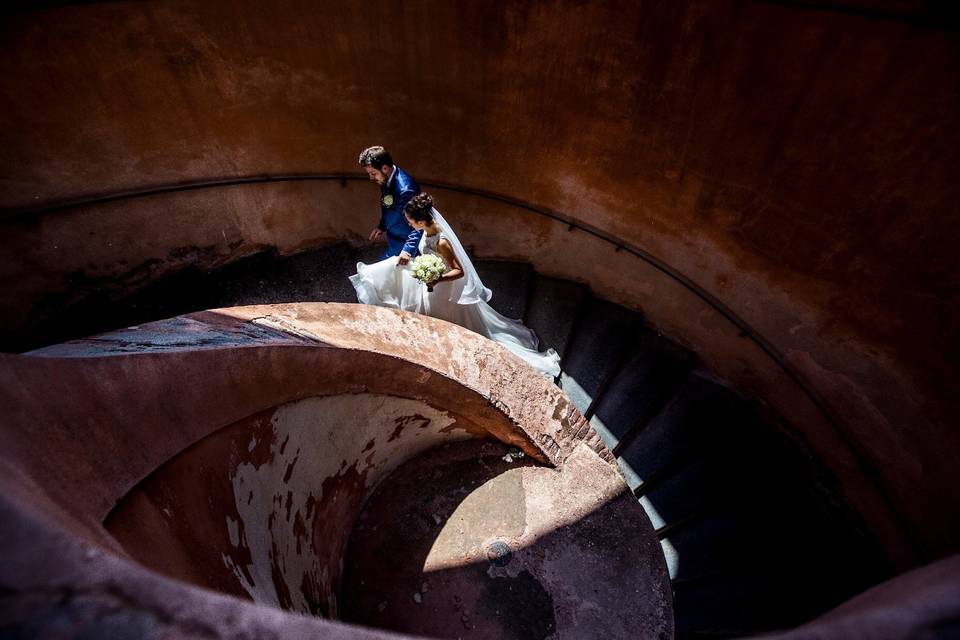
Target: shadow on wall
pixel 465 542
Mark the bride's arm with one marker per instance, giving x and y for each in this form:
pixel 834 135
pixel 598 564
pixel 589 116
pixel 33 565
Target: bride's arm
pixel 446 252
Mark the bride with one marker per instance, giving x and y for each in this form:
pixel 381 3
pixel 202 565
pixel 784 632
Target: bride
pixel 458 296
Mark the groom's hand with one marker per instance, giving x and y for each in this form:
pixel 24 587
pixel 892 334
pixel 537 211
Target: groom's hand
pixel 376 235
pixel 404 258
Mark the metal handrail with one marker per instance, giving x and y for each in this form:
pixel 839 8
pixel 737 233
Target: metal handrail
pixel 745 331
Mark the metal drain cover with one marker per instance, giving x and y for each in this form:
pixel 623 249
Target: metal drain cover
pixel 499 553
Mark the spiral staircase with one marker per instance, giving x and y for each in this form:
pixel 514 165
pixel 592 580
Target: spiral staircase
pixel 754 535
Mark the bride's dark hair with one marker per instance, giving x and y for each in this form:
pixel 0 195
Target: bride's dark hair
pixel 419 208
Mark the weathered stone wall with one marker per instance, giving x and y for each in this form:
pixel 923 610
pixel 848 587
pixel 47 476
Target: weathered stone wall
pixel 797 163
pixel 263 509
pixel 261 429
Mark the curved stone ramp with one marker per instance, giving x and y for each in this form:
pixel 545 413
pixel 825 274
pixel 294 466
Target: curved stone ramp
pixel 756 533
pixel 89 420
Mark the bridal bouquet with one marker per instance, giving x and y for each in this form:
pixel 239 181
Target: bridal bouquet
pixel 428 269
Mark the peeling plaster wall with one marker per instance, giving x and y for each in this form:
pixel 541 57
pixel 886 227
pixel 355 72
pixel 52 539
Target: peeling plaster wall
pixel 798 163
pixel 263 508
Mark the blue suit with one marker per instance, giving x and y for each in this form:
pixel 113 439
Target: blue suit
pixel 400 235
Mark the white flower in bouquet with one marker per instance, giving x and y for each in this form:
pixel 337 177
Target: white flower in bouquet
pixel 428 269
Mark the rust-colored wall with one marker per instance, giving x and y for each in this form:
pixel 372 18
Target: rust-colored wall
pixel 83 424
pixel 263 509
pixel 797 163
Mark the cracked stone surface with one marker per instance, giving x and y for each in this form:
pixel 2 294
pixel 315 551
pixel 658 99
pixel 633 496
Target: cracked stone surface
pixel 86 422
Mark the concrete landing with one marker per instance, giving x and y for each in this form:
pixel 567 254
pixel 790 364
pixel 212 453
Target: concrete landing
pixel 463 542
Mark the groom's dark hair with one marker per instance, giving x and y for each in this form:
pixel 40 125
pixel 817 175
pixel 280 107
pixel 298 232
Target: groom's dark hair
pixel 375 157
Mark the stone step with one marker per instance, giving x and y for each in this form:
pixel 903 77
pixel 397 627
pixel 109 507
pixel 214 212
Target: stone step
pixel 322 274
pixel 552 310
pixel 253 279
pixel 510 283
pixel 736 494
pixel 721 482
pixel 101 311
pixel 697 486
pixel 765 583
pixel 261 278
pixel 713 542
pixel 701 414
pixel 741 521
pixel 370 253
pixel 266 278
pixel 182 292
pixel 640 388
pixel 603 336
pixel 793 548
pixel 732 605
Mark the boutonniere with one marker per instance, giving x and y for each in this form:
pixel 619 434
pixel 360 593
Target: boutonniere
pixel 387 200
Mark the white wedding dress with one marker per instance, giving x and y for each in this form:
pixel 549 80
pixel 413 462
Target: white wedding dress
pixel 462 301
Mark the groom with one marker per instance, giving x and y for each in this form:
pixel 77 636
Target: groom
pixel 396 190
